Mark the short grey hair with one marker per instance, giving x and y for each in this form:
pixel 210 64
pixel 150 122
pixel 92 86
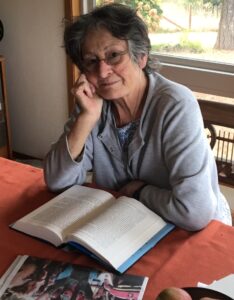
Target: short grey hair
pixel 121 21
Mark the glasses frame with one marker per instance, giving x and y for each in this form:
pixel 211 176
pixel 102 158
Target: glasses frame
pixel 93 67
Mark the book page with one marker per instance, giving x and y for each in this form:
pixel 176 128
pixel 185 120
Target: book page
pixel 122 228
pixel 72 206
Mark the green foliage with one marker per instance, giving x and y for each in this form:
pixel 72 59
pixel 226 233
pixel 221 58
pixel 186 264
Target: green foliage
pixel 196 4
pixel 212 2
pixel 184 45
pixel 191 46
pixel 193 3
pixel 149 10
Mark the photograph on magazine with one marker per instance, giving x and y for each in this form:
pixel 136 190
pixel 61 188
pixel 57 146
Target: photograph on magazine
pixel 42 279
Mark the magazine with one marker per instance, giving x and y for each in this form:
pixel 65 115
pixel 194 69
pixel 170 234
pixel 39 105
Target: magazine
pixel 32 278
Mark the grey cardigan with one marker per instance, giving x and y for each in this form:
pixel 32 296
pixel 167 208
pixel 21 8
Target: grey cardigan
pixel 169 152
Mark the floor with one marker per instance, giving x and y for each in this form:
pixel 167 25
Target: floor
pixel 229 194
pixel 33 162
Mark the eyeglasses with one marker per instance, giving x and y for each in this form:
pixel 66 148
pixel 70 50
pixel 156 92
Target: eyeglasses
pixel 114 58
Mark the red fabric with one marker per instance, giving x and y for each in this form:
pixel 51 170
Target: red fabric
pixel 181 259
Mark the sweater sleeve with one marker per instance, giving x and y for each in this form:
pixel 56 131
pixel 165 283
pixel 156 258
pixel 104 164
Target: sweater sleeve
pixel 60 170
pixel 191 201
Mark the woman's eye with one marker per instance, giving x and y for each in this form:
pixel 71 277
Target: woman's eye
pixel 113 58
pixel 91 61
pixel 113 54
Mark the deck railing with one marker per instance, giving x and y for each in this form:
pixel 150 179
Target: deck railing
pixel 219 125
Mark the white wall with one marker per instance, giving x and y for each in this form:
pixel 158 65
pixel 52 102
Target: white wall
pixel 36 72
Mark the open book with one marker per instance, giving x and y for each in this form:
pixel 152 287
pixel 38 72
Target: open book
pixel 31 277
pixel 116 231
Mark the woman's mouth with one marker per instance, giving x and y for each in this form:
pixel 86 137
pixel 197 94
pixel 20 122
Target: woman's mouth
pixel 108 83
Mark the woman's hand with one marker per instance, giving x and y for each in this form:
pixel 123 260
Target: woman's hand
pixel 88 101
pixel 130 188
pixel 90 105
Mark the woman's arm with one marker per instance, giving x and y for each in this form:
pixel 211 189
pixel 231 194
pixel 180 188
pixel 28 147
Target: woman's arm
pixel 192 200
pixel 66 164
pixel 180 170
pixel 90 105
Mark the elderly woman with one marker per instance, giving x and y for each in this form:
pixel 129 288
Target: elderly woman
pixel 139 133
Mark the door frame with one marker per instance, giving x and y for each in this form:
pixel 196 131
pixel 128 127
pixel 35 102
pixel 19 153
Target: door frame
pixel 73 9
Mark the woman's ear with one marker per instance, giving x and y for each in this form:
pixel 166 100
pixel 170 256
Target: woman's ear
pixel 142 61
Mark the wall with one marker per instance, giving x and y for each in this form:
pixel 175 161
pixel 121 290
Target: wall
pixel 36 72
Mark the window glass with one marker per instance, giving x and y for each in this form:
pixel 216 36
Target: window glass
pixel 195 29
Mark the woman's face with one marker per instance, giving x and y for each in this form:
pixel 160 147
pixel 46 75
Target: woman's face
pixel 114 81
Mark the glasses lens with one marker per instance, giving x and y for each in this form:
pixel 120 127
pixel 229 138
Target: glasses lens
pixel 90 64
pixel 114 58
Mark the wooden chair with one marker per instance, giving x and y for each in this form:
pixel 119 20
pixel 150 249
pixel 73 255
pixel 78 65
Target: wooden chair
pixel 219 124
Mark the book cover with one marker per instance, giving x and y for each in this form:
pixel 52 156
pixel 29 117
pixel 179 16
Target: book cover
pixel 133 258
pixel 35 278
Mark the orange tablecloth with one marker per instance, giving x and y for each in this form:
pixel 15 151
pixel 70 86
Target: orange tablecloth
pixel 181 259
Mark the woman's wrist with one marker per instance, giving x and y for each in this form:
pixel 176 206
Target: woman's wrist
pixel 136 194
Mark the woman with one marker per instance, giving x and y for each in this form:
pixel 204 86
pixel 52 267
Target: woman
pixel 139 133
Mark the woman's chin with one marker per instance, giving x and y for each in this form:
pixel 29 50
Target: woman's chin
pixel 110 95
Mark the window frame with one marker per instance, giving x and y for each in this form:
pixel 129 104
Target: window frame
pixel 199 75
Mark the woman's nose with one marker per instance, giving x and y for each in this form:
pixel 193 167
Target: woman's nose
pixel 104 70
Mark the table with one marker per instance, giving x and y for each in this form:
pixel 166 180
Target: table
pixel 181 259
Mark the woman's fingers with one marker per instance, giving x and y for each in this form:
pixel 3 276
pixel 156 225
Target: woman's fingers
pixel 86 98
pixel 82 86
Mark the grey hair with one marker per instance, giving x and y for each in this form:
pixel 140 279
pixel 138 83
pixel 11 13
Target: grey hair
pixel 121 21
